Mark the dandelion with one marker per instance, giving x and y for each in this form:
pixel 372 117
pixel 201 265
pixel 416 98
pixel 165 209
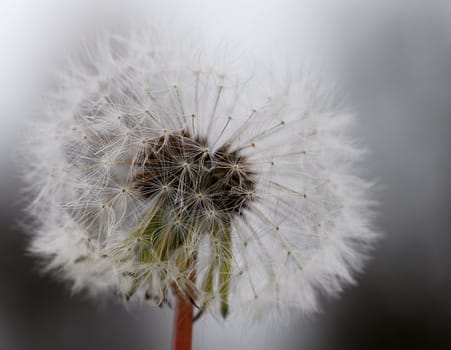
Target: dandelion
pixel 162 175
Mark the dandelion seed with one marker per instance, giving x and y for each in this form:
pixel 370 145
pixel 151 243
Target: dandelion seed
pixel 151 189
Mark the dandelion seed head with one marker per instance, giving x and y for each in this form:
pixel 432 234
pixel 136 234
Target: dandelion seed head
pixel 158 170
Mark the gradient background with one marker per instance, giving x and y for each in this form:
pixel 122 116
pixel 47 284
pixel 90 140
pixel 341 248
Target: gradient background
pixel 393 59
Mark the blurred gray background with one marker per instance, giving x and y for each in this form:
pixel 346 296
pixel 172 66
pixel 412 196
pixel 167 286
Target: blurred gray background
pixel 393 59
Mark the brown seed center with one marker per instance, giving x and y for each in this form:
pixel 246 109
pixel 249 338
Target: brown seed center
pixel 189 177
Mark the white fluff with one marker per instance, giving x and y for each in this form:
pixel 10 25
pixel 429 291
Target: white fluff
pixel 305 230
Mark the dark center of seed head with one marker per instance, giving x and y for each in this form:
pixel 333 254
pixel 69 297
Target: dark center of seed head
pixel 182 170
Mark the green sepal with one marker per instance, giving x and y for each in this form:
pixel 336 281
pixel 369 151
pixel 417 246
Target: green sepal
pixel 135 285
pixel 207 287
pixel 225 270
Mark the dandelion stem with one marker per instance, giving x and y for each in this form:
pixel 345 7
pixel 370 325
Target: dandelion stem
pixel 183 324
pixel 183 318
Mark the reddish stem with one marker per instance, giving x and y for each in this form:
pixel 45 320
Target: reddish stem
pixel 183 324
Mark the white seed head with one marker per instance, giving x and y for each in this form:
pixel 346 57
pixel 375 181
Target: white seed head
pixel 158 170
